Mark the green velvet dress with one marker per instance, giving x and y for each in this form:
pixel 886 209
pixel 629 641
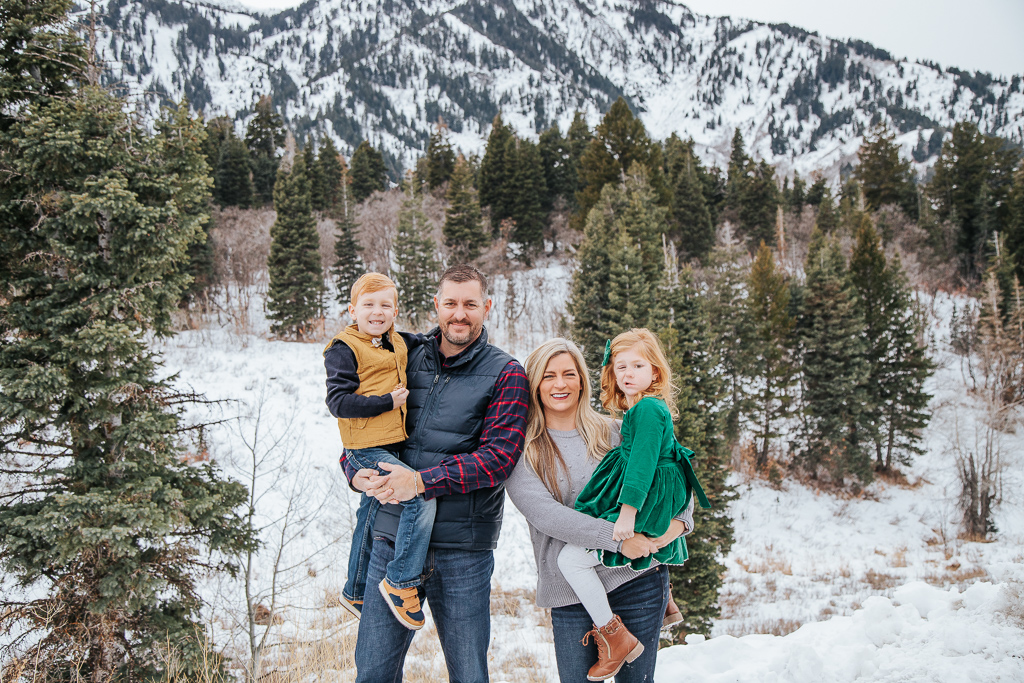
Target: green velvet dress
pixel 649 470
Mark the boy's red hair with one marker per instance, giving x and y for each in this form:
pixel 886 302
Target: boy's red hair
pixel 370 283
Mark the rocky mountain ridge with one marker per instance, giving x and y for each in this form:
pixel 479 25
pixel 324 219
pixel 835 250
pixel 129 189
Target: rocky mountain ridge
pixel 386 71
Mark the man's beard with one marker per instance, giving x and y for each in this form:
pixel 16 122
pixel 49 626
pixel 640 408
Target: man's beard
pixel 459 340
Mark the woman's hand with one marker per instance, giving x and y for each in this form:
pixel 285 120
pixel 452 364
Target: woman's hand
pixel 675 530
pixel 638 546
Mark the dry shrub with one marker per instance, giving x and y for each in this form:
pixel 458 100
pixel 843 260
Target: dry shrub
pixel 768 562
pixel 798 237
pixel 776 627
pixel 377 221
pixel 510 602
pixel 241 246
pixel 325 228
pixel 881 581
pixel 517 665
pixel 899 557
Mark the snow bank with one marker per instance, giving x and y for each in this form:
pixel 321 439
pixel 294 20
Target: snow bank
pixel 921 634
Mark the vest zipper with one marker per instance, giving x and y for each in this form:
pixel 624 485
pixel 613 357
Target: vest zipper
pixel 436 377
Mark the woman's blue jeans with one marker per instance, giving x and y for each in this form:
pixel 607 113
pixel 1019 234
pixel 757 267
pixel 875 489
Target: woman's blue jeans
pixel 411 540
pixel 640 603
pixel 457 585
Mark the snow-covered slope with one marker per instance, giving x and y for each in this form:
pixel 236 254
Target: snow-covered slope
pixel 385 71
pixel 846 569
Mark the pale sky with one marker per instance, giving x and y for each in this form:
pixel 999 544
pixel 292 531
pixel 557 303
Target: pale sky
pixel 986 35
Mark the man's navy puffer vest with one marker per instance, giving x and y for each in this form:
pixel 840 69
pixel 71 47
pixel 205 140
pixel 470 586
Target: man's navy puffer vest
pixel 446 410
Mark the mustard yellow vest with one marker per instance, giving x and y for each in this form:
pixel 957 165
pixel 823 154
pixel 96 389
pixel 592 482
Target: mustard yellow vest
pixel 379 372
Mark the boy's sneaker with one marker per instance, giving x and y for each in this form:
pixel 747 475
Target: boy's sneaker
pixel 404 604
pixel 353 607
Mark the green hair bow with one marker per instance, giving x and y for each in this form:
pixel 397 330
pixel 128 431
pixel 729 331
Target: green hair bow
pixel 607 353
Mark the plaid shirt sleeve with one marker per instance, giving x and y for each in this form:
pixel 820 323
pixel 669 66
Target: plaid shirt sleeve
pixel 501 442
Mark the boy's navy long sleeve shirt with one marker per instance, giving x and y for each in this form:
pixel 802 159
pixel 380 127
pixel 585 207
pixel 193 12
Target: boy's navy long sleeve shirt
pixel 343 381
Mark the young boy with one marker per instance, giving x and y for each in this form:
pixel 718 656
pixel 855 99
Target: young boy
pixel 366 391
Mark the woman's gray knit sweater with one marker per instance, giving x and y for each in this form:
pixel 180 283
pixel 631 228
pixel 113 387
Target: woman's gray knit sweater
pixel 553 523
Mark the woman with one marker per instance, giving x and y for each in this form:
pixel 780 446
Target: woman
pixel 565 439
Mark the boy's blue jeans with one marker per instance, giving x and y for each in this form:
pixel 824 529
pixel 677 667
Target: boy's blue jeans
pixel 411 541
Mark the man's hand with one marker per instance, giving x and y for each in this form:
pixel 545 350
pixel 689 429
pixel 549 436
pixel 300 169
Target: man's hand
pixel 362 480
pixel 397 486
pixel 638 546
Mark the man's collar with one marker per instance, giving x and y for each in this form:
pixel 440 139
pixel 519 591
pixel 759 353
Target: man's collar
pixel 465 353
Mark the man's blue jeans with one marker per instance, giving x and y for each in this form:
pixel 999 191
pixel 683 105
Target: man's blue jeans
pixel 640 602
pixel 458 589
pixel 411 541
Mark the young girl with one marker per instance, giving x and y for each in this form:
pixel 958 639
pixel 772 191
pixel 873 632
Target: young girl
pixel 639 485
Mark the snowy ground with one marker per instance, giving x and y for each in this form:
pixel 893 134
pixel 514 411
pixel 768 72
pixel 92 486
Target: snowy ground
pixel 818 587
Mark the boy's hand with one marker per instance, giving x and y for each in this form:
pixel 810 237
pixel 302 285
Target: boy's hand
pixel 399 396
pixel 623 529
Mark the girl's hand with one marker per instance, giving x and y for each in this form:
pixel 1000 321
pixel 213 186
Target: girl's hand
pixel 623 529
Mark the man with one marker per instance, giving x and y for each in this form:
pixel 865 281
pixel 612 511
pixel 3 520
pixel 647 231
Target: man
pixel 466 420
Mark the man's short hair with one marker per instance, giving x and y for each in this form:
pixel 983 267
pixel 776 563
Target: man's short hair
pixel 463 272
pixel 370 283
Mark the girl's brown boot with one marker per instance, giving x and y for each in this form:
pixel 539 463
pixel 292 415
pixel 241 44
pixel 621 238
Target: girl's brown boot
pixel 615 646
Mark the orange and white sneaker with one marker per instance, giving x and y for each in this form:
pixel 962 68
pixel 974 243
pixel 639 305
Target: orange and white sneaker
pixel 353 607
pixel 404 604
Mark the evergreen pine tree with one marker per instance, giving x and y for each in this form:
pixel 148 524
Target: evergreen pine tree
pixel 619 141
pixel 440 157
pixel 217 132
pixel 102 523
pixel 898 363
pixel 316 189
pixel 262 138
pixel 330 174
pixel 577 139
pixel 463 232
pixel 797 195
pixel 560 177
pixel 348 265
pixel 758 204
pixel 1015 226
pixel 526 203
pixel 684 328
pixel 623 231
pixel 417 267
pixel 728 266
pixel 834 368
pixel 738 171
pixel 969 161
pixel 690 213
pixel 816 191
pixel 41 56
pixel 367 171
pixel 495 172
pixel 295 295
pixel 884 177
pixel 191 158
pixel 827 218
pixel 770 365
pixel 232 184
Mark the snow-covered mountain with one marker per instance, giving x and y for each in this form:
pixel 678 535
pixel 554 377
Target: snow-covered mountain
pixel 386 71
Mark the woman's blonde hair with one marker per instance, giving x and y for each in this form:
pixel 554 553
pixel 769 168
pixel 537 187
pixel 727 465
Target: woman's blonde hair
pixel 541 451
pixel 647 345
